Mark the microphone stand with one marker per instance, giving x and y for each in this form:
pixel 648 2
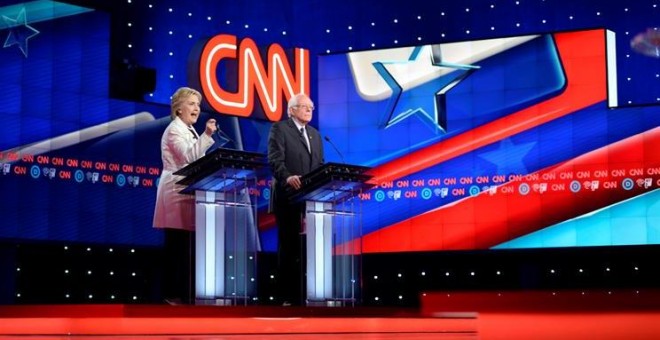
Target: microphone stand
pixel 336 149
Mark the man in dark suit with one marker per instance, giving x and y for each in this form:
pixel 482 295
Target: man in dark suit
pixel 294 149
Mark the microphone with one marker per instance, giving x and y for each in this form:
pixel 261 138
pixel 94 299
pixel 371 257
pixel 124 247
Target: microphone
pixel 336 149
pixel 223 135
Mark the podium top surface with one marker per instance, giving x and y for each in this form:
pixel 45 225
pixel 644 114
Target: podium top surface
pixel 332 182
pixel 222 163
pixel 339 169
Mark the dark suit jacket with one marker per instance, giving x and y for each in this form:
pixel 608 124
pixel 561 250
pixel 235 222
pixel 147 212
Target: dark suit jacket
pixel 288 155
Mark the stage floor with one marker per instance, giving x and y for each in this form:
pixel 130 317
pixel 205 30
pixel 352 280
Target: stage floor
pixel 370 336
pixel 623 314
pixel 221 322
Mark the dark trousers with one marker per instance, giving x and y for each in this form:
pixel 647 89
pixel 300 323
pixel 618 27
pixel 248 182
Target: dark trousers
pixel 178 268
pixel 290 254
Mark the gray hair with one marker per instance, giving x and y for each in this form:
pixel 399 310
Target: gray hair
pixel 294 102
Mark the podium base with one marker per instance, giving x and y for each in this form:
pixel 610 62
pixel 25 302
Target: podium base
pixel 222 301
pixel 331 303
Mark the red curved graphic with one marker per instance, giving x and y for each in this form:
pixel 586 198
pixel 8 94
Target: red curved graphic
pixel 485 220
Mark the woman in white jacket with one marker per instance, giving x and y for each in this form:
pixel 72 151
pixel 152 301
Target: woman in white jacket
pixel 175 212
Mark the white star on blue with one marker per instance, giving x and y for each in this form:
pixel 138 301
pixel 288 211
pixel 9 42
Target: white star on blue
pixel 417 101
pixel 19 32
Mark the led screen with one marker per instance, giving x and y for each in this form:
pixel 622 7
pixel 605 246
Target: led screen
pixel 75 165
pixel 499 143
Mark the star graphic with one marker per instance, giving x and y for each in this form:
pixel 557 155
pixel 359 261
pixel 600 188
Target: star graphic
pixel 19 32
pixel 262 129
pixel 508 157
pixel 421 57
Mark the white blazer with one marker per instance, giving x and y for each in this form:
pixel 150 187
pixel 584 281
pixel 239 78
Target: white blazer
pixel 178 148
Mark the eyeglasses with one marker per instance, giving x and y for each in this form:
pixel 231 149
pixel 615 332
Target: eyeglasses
pixel 306 107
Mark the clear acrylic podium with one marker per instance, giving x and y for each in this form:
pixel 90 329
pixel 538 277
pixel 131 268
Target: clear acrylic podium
pixel 227 239
pixel 332 233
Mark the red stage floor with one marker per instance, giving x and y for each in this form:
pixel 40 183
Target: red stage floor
pixel 215 322
pixel 371 336
pixel 560 314
pixel 626 314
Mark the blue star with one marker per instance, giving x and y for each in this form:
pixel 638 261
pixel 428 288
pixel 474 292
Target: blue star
pixel 262 130
pixel 19 32
pixel 508 157
pixel 437 119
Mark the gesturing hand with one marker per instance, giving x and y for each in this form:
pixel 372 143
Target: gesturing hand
pixel 211 127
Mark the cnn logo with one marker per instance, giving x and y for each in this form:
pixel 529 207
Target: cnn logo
pixel 269 82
